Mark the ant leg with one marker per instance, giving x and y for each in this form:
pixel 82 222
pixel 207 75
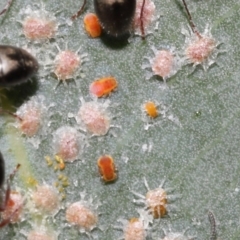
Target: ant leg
pixel 141 19
pixel 79 12
pixel 5 222
pixel 11 114
pixel 7 196
pixel 192 25
pixel 6 7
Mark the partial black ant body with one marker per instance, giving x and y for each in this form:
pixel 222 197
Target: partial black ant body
pixel 5 193
pixel 116 17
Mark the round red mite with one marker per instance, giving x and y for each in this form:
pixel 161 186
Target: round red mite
pixel 92 25
pixel 103 86
pixel 107 168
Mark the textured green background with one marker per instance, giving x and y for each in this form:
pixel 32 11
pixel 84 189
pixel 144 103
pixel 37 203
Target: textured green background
pixel 200 159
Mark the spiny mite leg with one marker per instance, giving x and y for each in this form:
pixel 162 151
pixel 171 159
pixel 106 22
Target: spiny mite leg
pixel 6 7
pixel 79 12
pixel 212 221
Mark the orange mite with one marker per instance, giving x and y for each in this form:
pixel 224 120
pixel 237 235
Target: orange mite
pixel 107 168
pixel 151 109
pixel 103 86
pixel 92 25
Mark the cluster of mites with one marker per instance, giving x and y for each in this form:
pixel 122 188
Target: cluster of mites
pixel 44 200
pixel 92 116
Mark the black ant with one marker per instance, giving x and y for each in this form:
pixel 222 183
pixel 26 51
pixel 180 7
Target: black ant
pixel 5 193
pixel 16 64
pixel 116 17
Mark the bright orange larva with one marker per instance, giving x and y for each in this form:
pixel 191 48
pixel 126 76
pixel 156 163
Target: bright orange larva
pixel 103 86
pixel 92 25
pixel 151 109
pixel 107 168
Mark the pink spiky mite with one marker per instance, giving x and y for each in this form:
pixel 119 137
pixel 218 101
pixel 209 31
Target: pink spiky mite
pixel 39 25
pixel 144 16
pixel 136 228
pixel 79 215
pixel 46 199
pixel 94 117
pixel 155 201
pixel 67 142
pixel 200 49
pixel 14 207
pixel 30 116
pixel 83 214
pixel 164 64
pixel 66 64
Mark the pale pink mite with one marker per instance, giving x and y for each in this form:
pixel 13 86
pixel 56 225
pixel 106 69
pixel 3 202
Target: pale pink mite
pixel 14 207
pixel 165 63
pixel 201 49
pixel 82 214
pixel 79 215
pixel 39 25
pixel 94 117
pixel 30 116
pixel 155 201
pixel 67 142
pixel 136 228
pixel 46 199
pixel 66 65
pixel 144 18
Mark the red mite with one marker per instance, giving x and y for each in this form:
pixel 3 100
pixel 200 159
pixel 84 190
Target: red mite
pixel 5 200
pixel 92 25
pixel 103 86
pixel 107 168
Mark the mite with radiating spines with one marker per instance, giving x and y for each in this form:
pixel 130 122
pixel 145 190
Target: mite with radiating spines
pixel 16 65
pixel 201 49
pixel 5 193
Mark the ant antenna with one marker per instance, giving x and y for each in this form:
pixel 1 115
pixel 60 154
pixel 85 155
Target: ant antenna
pixel 79 12
pixel 11 114
pixel 213 226
pixel 192 25
pixel 6 7
pixel 141 19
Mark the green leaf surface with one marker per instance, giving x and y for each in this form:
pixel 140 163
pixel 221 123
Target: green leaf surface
pixel 197 153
